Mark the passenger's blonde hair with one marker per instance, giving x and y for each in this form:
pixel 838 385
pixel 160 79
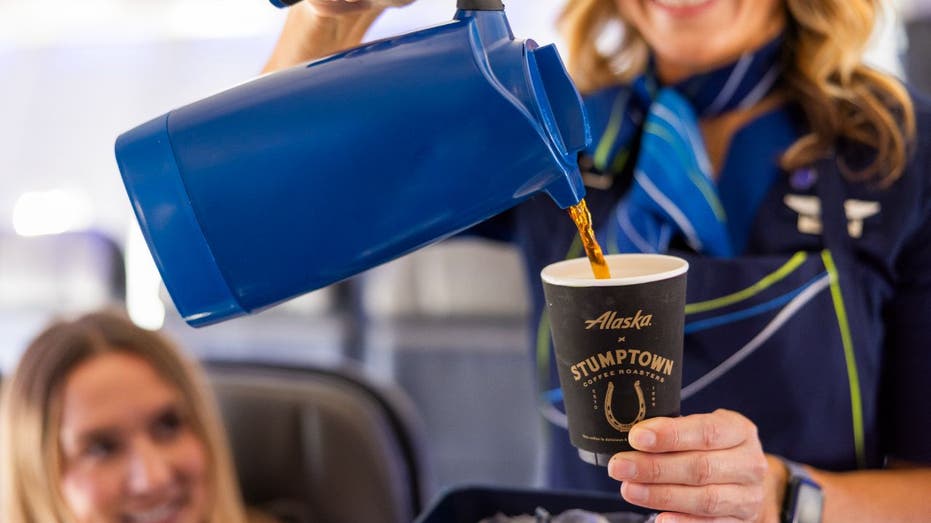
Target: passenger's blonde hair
pixel 31 415
pixel 823 71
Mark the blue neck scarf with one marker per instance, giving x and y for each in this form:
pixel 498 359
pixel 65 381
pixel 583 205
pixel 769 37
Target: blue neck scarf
pixel 673 193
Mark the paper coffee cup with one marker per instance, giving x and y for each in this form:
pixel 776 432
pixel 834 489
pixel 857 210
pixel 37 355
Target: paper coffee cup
pixel 618 345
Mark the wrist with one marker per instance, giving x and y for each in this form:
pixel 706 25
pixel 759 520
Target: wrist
pixel 803 501
pixel 343 21
pixel 330 30
pixel 310 33
pixel 777 478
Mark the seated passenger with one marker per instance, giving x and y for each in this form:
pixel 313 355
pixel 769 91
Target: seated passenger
pixel 102 422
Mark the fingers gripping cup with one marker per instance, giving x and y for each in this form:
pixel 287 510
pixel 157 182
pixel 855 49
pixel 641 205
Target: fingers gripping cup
pixel 618 345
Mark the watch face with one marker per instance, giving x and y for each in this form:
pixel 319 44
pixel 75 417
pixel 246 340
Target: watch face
pixel 808 504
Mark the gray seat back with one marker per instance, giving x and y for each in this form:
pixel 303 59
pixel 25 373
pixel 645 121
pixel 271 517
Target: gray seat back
pixel 45 276
pixel 322 445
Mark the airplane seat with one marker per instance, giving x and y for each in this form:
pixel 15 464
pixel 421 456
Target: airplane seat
pixel 449 323
pixel 64 272
pixel 308 329
pixel 462 277
pixel 322 444
pixel 44 276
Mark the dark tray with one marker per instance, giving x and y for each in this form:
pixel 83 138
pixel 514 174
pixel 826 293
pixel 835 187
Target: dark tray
pixel 469 504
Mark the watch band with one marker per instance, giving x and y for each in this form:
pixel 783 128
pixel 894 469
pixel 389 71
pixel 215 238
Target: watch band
pixel 796 470
pixel 804 499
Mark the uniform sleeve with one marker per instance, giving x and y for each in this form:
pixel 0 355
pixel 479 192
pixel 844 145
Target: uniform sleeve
pixel 907 373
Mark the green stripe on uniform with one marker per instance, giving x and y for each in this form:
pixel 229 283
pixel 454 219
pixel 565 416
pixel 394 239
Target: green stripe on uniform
pixel 853 377
pixel 768 281
pixel 610 135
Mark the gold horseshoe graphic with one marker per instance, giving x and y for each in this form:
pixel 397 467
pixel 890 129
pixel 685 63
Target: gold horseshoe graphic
pixel 609 414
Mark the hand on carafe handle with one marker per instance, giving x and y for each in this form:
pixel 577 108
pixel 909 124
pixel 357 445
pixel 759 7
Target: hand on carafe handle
pixel 318 28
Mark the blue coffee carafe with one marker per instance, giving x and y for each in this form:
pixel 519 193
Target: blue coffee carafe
pixel 304 177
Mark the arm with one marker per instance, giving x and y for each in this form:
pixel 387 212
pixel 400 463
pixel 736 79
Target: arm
pixel 711 468
pixel 890 495
pixel 315 29
pixel 318 28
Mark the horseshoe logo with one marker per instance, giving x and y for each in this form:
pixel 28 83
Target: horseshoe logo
pixel 609 413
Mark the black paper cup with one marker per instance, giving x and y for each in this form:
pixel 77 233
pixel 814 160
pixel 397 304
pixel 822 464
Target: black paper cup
pixel 618 345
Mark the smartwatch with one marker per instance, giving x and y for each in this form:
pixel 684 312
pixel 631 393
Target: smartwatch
pixel 804 499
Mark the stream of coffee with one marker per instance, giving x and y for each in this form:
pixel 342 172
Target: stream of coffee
pixel 583 220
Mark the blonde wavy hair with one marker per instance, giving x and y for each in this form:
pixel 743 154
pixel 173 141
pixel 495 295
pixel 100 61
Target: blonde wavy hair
pixel 842 98
pixel 30 469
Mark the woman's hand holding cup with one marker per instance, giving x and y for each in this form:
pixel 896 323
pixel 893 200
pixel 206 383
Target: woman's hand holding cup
pixel 702 467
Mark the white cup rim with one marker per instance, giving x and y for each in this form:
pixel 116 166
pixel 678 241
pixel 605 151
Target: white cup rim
pixel 634 269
